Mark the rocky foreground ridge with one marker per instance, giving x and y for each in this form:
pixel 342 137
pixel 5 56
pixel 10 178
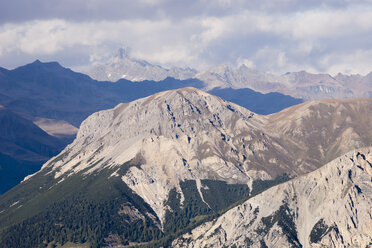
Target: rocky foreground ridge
pixel 330 207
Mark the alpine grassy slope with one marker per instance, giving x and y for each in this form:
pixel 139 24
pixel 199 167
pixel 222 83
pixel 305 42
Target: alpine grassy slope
pixel 153 169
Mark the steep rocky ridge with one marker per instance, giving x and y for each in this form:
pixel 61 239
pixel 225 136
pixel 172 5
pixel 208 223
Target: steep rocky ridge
pixel 241 77
pixel 298 84
pixel 330 207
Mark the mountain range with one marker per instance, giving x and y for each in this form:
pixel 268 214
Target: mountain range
pixel 150 171
pixel 301 84
pixel 181 158
pixel 122 66
pixel 57 100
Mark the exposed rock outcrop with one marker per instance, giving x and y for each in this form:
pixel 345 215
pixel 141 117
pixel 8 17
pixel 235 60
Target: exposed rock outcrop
pixel 330 207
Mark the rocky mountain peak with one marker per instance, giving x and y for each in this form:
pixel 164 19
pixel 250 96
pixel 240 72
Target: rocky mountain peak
pixel 184 119
pixel 367 79
pixel 36 62
pixel 188 134
pixel 179 135
pixel 167 113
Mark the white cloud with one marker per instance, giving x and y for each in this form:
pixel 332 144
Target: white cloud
pixel 358 62
pixel 151 2
pixel 321 38
pixel 325 23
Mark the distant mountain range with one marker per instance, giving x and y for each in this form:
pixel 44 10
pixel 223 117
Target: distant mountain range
pixel 301 84
pixel 122 66
pixel 150 171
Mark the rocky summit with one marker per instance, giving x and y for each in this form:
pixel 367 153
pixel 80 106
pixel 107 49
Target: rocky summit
pixel 177 135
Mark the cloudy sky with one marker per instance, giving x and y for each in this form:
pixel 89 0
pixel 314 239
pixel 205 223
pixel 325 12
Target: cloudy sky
pixel 277 36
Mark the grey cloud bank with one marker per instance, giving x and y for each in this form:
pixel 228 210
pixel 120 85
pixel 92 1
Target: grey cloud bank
pixel 273 36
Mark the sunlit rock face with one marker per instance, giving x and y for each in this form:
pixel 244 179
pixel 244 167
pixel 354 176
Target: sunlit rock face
pixel 330 207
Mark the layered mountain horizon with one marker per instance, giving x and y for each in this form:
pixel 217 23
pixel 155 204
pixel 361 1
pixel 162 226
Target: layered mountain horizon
pixel 300 84
pixel 156 168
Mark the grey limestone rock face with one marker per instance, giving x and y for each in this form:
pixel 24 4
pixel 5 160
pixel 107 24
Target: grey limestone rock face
pixel 330 207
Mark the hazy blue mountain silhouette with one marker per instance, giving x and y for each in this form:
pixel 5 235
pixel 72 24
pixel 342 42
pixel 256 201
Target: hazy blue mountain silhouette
pixel 24 147
pixel 257 102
